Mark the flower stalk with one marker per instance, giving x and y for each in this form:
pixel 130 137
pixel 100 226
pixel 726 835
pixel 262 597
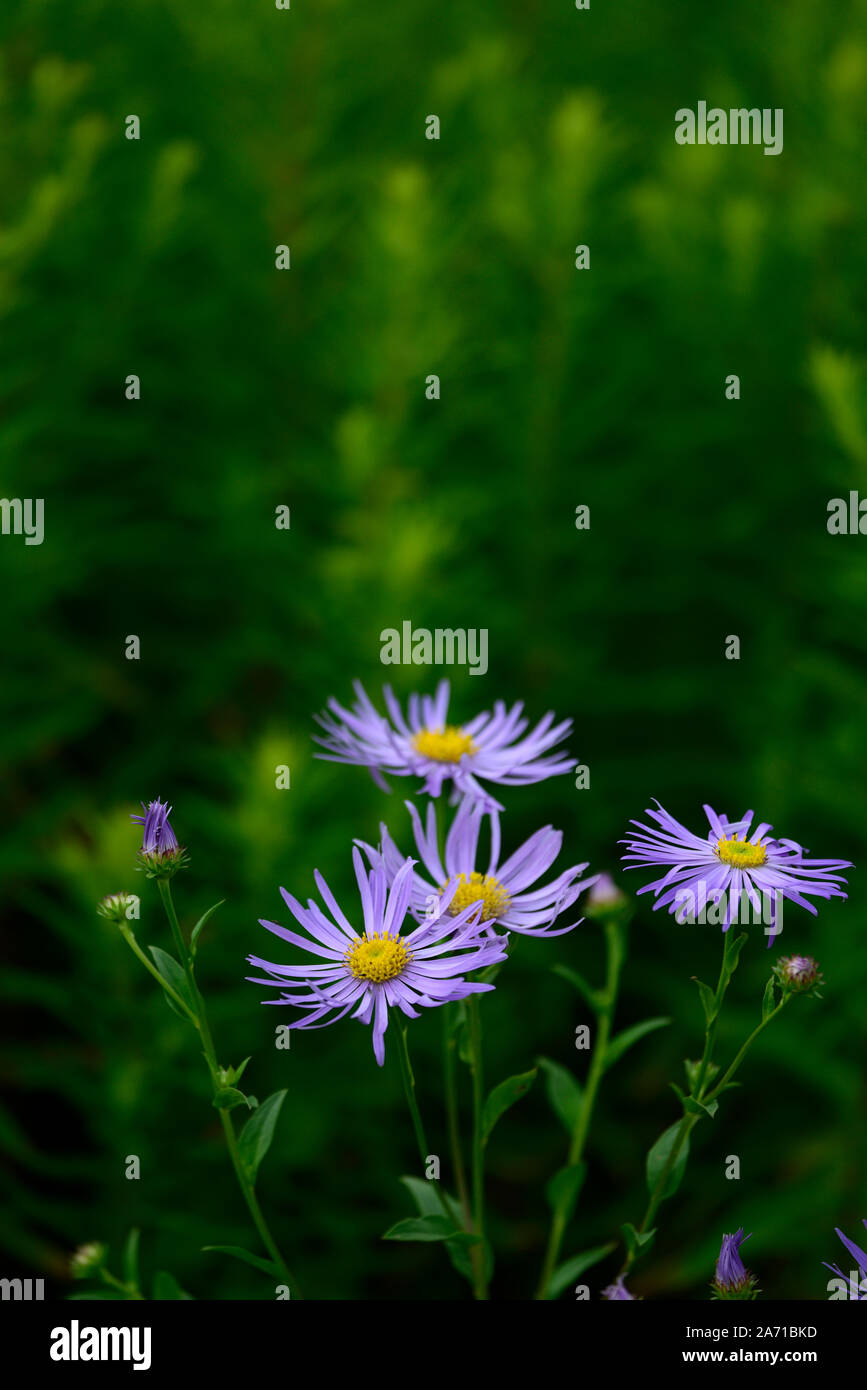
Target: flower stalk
pixel 605 1003
pixel 186 997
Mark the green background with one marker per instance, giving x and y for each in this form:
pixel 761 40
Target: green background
pixel 305 388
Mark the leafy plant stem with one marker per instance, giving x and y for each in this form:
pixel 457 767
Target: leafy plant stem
pixel 408 1079
pixel 200 1020
pixel 614 943
pixel 452 1116
pixel 731 954
pixel 474 1025
pixel 746 1047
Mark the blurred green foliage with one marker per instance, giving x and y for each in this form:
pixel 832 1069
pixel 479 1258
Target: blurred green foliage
pixel 306 388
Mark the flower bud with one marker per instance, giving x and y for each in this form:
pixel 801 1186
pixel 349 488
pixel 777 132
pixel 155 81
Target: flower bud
pixel 798 974
pixel 87 1260
pixel 618 1292
pixel 114 907
pixel 605 899
pixel 732 1280
pixel 160 855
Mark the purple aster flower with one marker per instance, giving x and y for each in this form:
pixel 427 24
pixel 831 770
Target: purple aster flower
pixel 505 890
pixel 618 1291
pixel 491 747
pixel 856 1285
pixel 378 968
pixel 158 836
pixel 730 867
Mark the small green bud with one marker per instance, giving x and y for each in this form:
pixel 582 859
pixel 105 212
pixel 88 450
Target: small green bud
pixel 87 1260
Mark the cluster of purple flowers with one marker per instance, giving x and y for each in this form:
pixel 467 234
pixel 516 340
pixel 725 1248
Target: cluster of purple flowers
pixel 505 895
pixel 416 935
pixel 422 927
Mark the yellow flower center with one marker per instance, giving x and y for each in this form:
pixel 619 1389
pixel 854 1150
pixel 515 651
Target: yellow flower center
pixel 378 957
pixel 479 888
pixel 446 745
pixel 741 853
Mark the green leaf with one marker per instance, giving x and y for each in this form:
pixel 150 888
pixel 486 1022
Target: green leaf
pixel 238 1253
pixel 166 1287
pixel 624 1040
pixel 578 982
pixel 732 953
pixel 563 1189
pixel 698 1107
pixel 461 1256
pixel 636 1241
pixel 658 1157
pixel 693 1069
pixel 427 1228
pixel 708 1000
pixel 423 1193
pixel 129 1259
pixel 194 936
pixel 769 999
pixel 234 1074
pixel 563 1092
pixel 228 1097
pixel 254 1141
pixel 173 974
pixel 571 1269
pixel 502 1097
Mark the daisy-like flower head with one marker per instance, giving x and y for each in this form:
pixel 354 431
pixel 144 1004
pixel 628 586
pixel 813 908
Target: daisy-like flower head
pixel 857 1286
pixel 732 1279
pixel 490 748
pixel 505 891
pixel 379 967
pixel 743 869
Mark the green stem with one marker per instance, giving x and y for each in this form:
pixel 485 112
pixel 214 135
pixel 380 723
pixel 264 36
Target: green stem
pixel 200 1019
pixel 656 1196
pixel 474 1025
pixel 249 1194
pixel 131 1291
pixel 727 969
pixel 148 965
pixel 605 1017
pixel 408 1079
pixel 725 975
pixel 745 1049
pixel 184 955
pixel 688 1121
pixel 450 1047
